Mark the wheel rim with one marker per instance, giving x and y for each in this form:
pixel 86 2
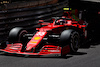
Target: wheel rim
pixel 75 43
pixel 21 35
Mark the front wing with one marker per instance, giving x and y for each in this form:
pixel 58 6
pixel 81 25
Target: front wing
pixel 45 50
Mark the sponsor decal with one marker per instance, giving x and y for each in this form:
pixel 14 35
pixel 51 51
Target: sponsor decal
pixel 48 50
pixel 33 42
pixel 67 8
pixel 53 50
pixel 40 33
pixel 9 47
pixel 36 38
pixel 29 47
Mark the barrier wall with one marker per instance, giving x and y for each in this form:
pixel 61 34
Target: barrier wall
pixel 28 17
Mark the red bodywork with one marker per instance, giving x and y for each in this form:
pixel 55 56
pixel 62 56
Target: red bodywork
pixel 47 47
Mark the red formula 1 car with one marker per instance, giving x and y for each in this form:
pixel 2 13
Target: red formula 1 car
pixel 61 36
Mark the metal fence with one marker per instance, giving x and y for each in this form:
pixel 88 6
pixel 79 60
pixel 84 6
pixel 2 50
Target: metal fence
pixel 28 17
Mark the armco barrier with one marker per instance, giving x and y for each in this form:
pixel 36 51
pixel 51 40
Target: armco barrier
pixel 28 17
pixel 5 5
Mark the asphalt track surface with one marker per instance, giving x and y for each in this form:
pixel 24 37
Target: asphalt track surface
pixel 92 0
pixel 85 57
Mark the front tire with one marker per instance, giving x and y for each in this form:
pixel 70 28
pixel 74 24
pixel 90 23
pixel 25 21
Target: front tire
pixel 16 35
pixel 74 41
pixel 71 38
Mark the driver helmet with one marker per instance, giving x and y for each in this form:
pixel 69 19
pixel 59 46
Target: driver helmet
pixel 64 17
pixel 60 22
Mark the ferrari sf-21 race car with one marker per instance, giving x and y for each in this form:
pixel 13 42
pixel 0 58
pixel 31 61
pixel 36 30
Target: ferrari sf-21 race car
pixel 64 35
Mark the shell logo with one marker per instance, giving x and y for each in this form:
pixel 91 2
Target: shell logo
pixel 48 50
pixel 9 47
pixel 36 38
